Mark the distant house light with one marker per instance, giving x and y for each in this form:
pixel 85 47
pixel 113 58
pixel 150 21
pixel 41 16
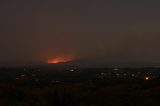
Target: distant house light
pixel 133 75
pixel 72 70
pixel 22 75
pixel 116 69
pixel 147 78
pixel 17 78
pixel 125 74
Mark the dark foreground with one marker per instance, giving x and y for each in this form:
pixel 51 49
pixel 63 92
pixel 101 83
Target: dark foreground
pixel 70 88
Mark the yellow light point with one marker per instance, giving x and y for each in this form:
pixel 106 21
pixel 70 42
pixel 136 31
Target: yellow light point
pixel 147 78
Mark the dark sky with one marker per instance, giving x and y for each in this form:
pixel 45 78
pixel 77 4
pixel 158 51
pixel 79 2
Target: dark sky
pixel 102 31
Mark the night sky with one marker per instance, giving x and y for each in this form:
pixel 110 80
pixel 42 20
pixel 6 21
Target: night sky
pixel 114 32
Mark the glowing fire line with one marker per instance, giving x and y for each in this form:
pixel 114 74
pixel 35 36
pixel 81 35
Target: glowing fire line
pixel 59 60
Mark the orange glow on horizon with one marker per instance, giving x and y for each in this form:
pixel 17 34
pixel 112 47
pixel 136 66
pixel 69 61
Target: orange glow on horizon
pixel 59 59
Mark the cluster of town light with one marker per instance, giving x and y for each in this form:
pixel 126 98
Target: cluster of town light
pixel 147 77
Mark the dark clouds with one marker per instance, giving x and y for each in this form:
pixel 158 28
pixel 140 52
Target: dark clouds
pixel 106 32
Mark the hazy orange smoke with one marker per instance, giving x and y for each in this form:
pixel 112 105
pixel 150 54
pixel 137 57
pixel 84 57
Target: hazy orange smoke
pixel 60 59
